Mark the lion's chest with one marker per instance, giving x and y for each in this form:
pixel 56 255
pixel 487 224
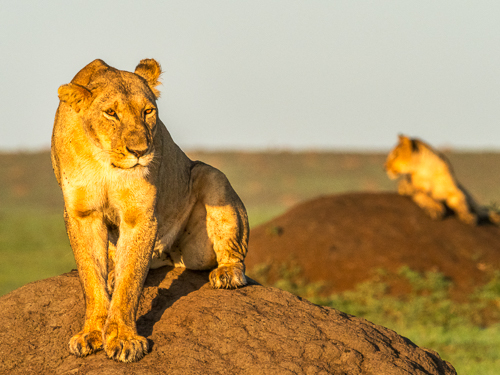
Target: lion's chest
pixel 117 195
pixel 422 181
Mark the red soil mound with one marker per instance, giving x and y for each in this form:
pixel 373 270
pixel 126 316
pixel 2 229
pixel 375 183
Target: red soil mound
pixel 194 329
pixel 343 239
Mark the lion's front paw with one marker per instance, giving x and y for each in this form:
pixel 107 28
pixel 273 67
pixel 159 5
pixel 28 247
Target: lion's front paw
pixel 228 276
pixel 125 346
pixel 85 343
pixel 435 214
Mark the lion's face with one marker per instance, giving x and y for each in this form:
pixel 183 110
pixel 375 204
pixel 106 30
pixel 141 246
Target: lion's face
pixel 121 120
pixel 400 159
pixel 118 112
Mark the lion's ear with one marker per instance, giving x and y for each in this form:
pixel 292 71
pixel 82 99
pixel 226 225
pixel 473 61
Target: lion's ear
pixel 78 97
pixel 404 140
pixel 150 70
pixel 415 145
pixel 402 137
pixel 86 74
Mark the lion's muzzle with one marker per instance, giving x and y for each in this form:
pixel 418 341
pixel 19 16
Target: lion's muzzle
pixel 137 142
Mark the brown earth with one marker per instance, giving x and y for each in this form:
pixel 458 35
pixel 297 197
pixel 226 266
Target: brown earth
pixel 344 239
pixel 193 329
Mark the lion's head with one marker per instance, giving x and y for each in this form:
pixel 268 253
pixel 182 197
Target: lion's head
pixel 402 157
pixel 117 110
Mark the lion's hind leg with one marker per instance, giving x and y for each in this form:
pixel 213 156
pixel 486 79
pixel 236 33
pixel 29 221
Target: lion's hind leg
pixel 458 203
pixel 226 225
pixel 229 275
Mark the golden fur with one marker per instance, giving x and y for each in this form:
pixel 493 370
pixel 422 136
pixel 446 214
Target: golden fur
pixel 133 200
pixel 427 177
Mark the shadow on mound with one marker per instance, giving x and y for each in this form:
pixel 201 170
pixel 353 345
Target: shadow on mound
pixel 198 330
pixel 344 239
pixel 162 297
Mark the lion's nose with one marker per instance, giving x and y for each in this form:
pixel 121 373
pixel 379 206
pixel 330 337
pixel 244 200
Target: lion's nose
pixel 138 152
pixel 137 142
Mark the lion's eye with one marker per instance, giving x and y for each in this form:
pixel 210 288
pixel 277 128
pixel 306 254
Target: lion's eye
pixel 111 113
pixel 149 111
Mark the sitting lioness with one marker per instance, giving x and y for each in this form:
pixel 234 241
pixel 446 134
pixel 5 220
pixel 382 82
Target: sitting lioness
pixel 429 180
pixel 133 201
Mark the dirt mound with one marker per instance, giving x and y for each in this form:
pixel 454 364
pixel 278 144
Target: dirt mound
pixel 194 329
pixel 343 239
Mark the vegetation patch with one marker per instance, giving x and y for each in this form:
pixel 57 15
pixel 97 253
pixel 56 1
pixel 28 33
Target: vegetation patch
pixel 466 333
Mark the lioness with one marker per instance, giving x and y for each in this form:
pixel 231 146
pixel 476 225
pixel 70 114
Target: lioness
pixel 429 179
pixel 133 200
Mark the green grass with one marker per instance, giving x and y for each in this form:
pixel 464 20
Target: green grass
pixel 269 183
pixel 470 349
pixel 261 214
pixel 465 333
pixel 33 245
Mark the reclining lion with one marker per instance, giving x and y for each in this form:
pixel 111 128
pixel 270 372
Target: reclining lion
pixel 133 200
pixel 427 177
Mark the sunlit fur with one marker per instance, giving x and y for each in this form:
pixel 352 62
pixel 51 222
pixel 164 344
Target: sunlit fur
pixel 133 200
pixel 427 177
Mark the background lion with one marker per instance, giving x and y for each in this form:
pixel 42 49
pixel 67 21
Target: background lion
pixel 429 179
pixel 133 200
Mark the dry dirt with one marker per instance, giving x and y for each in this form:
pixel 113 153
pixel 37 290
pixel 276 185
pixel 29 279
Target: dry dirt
pixel 193 329
pixel 344 239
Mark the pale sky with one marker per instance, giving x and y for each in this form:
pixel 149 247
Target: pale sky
pixel 266 74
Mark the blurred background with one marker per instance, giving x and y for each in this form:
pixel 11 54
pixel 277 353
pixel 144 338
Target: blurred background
pixel 265 74
pixel 290 99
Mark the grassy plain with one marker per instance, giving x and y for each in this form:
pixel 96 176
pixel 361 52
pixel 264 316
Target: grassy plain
pixel 465 333
pixel 33 242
